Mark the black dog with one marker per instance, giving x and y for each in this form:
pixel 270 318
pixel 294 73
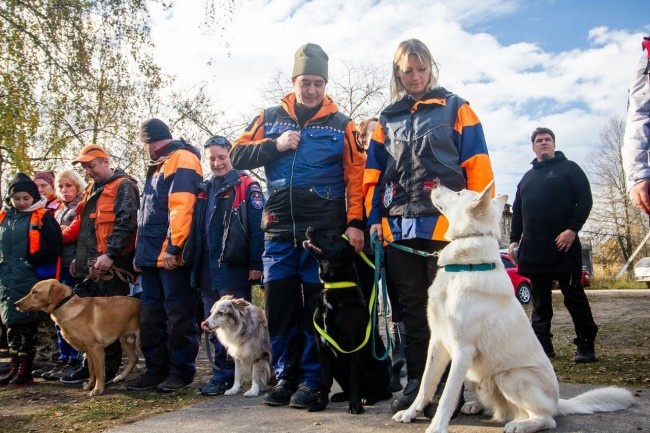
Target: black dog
pixel 343 314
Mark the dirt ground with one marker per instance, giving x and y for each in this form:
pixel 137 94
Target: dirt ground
pixel 623 348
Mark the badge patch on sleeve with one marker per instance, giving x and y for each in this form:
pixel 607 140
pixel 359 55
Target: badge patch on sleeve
pixel 257 200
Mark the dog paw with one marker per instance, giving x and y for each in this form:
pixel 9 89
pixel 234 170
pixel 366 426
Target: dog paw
pixel 435 429
pixel 404 416
pixel 320 404
pixel 87 386
pixel 96 391
pixel 251 393
pixel 231 391
pixel 472 408
pixel 356 408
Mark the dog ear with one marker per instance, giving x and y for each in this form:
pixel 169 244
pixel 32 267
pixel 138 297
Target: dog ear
pixel 483 200
pixel 500 201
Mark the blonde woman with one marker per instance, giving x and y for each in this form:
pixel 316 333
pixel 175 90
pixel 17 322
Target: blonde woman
pixel 427 135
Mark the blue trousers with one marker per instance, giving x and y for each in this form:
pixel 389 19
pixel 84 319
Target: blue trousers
pixel 168 330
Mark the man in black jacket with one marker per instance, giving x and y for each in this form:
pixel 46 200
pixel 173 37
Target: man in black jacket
pixel 552 203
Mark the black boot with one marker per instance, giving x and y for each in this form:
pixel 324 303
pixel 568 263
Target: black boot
pixel 585 351
pixel 430 409
pixel 547 345
pixel 13 371
pixel 408 396
pixel 5 367
pixel 397 336
pixel 24 376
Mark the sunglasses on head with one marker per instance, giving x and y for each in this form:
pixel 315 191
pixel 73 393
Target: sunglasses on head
pixel 219 141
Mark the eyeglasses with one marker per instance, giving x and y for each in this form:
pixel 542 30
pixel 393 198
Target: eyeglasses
pixel 219 141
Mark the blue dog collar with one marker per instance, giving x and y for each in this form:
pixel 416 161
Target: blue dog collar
pixel 470 267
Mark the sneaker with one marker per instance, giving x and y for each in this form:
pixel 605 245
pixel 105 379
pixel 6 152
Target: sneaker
pixel 172 384
pixel 80 375
pixel 215 387
pixel 280 394
pixel 146 381
pixel 585 351
pixel 59 367
pixel 304 398
pixel 405 400
pixel 39 372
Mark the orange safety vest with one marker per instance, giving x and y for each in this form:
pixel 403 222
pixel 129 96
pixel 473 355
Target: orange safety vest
pixel 35 224
pixel 104 216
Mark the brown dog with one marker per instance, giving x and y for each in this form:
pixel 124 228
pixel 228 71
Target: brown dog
pixel 89 325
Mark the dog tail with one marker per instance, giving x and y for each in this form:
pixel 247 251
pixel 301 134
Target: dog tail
pixel 607 399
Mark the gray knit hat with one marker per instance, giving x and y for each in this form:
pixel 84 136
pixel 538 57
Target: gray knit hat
pixel 310 59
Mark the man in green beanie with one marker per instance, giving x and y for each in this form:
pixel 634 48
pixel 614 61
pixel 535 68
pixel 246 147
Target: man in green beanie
pixel 314 160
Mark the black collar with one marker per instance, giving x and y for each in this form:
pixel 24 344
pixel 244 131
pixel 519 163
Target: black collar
pixel 63 301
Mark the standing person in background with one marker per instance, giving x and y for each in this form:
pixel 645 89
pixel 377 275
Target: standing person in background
pixel 313 160
pixel 636 142
pixel 228 259
pixel 549 247
pixel 44 180
pixel 104 227
pixel 428 135
pixel 47 355
pixel 30 242
pixel 169 333
pixel 69 189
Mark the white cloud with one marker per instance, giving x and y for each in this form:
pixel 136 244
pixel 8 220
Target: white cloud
pixel 513 88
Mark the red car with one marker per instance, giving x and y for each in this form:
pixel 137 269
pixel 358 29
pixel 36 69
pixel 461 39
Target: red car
pixel 520 283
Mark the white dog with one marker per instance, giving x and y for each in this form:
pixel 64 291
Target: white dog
pixel 242 329
pixel 478 325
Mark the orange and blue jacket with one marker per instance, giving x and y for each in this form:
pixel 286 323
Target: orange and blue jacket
pixel 416 145
pixel 319 183
pixel 167 203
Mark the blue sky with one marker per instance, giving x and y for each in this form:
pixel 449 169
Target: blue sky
pixel 565 64
pixel 559 25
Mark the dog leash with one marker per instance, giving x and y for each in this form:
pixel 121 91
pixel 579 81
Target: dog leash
pixel 380 273
pixel 95 274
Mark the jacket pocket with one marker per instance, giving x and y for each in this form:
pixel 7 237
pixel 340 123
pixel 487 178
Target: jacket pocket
pixel 236 241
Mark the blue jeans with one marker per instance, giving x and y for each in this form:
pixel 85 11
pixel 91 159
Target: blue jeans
pixel 168 330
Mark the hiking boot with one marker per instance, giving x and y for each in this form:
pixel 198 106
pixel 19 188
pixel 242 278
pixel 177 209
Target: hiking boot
pixel 215 387
pixel 547 345
pixel 395 381
pixel 80 375
pixel 304 398
pixel 405 400
pixel 585 351
pixel 146 381
pixel 24 376
pixel 14 366
pixel 280 394
pixel 172 384
pixel 430 410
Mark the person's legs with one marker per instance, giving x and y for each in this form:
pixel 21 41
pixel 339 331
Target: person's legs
pixel 542 312
pixel 412 275
pixel 576 302
pixel 180 308
pixel 283 311
pixel 153 331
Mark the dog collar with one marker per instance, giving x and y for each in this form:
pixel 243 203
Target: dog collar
pixel 470 267
pixel 340 285
pixel 63 301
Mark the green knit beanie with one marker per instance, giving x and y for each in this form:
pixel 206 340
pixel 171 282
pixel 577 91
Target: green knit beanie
pixel 310 59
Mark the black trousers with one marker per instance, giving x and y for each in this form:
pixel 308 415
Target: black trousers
pixel 575 301
pixel 412 275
